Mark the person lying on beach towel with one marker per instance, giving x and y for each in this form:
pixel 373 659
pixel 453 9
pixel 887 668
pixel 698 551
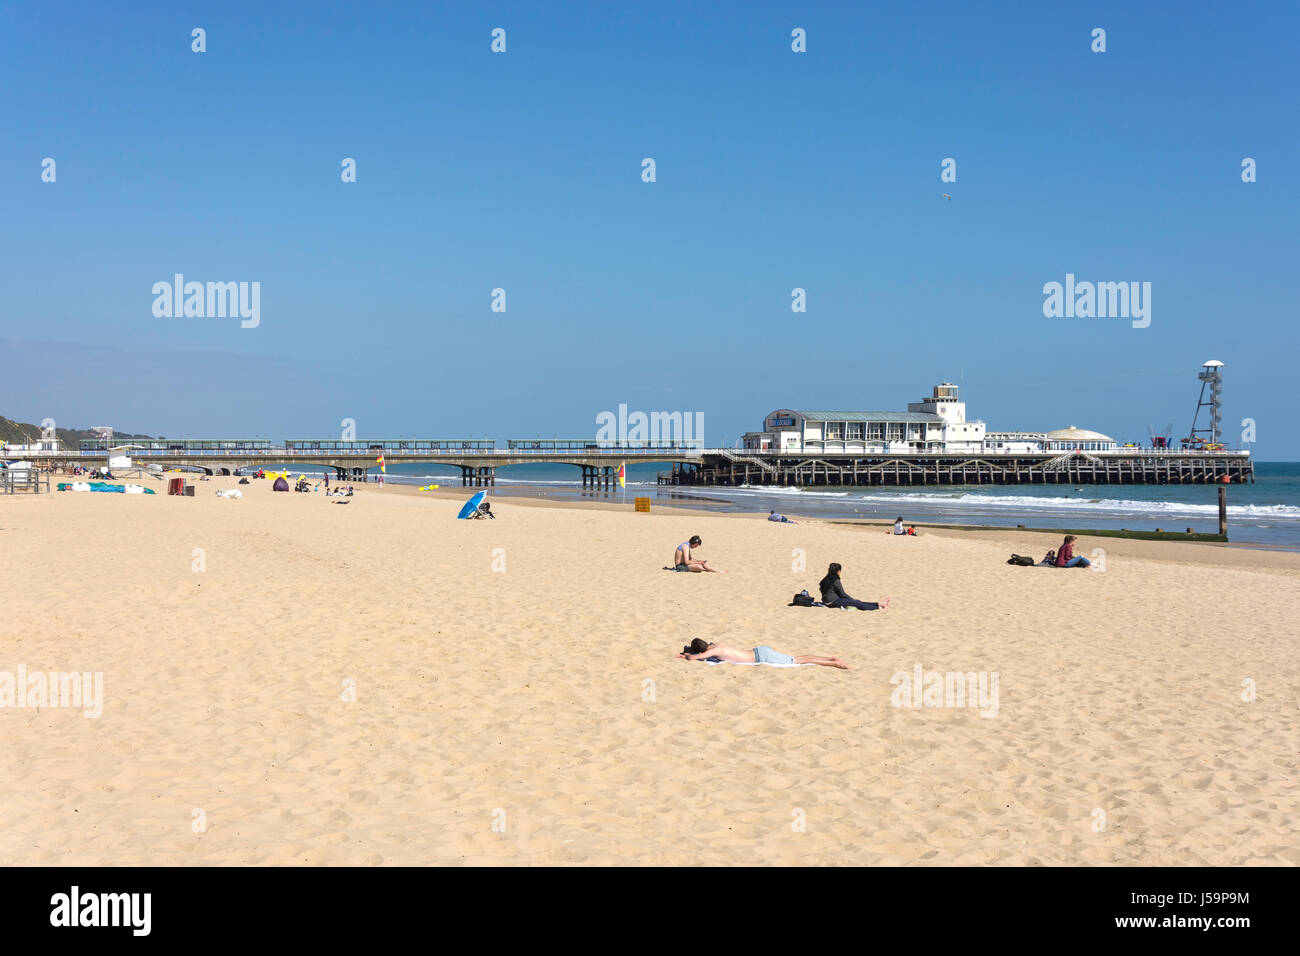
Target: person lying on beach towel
pixel 684 558
pixel 833 594
pixel 773 516
pixel 701 650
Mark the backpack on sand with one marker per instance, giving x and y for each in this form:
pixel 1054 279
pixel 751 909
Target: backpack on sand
pixel 802 599
pixel 1021 561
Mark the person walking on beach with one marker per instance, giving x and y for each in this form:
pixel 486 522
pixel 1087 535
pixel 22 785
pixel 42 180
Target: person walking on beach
pixel 700 649
pixel 833 594
pixel 1066 558
pixel 685 560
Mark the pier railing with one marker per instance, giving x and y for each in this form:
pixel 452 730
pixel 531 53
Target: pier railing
pixel 733 454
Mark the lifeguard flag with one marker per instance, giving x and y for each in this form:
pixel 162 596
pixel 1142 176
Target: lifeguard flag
pixel 622 475
pixel 382 467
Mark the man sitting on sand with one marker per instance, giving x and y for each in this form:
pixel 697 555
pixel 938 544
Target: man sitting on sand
pixel 685 560
pixel 773 516
pixel 700 649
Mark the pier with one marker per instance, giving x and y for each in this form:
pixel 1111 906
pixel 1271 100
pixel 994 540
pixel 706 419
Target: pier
pixel 477 459
pixel 598 462
pixel 1136 466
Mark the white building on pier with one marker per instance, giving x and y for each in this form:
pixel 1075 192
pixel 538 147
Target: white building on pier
pixel 935 424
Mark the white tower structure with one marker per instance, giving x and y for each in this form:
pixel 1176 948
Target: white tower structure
pixel 1211 375
pixel 943 403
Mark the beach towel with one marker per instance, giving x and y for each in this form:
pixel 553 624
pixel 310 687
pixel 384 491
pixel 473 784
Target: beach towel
pixel 230 493
pixel 756 664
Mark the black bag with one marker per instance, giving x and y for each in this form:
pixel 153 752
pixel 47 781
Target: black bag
pixel 802 599
pixel 1021 561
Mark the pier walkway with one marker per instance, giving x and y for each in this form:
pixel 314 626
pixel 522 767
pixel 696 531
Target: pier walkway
pixel 725 466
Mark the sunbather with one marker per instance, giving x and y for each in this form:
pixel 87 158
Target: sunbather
pixel 700 649
pixel 833 594
pixel 684 558
pixel 773 516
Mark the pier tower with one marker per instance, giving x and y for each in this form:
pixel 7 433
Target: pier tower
pixel 1211 376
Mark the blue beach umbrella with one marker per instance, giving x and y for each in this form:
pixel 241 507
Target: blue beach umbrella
pixel 471 506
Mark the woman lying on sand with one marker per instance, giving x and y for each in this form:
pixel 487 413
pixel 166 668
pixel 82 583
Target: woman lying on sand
pixel 833 593
pixel 685 560
pixel 700 649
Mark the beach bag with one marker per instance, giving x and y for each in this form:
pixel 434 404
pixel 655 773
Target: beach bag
pixel 802 599
pixel 1021 561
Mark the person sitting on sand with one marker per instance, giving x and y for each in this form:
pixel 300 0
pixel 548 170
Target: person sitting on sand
pixel 833 594
pixel 773 516
pixel 898 526
pixel 700 649
pixel 1066 558
pixel 685 560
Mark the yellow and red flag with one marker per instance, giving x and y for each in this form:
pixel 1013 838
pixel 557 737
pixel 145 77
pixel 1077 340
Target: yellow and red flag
pixel 622 475
pixel 383 469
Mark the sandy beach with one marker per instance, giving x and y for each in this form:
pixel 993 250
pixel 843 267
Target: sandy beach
pixel 290 680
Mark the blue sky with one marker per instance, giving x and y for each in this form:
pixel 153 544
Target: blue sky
pixel 522 171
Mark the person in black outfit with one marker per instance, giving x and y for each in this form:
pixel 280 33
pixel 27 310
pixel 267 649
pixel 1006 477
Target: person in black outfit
pixel 833 594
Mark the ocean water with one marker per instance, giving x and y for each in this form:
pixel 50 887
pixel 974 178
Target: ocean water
pixel 1265 514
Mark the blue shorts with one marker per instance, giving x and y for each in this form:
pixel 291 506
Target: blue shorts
pixel 765 655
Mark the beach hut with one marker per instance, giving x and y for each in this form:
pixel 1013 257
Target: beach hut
pixel 280 484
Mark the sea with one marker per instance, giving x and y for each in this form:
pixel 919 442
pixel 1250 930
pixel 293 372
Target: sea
pixel 1265 514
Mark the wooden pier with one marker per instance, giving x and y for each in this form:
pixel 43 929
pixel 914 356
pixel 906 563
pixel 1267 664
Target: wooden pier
pixel 803 470
pixel 724 466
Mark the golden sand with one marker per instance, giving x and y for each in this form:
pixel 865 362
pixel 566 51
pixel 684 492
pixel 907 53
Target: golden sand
pixel 517 699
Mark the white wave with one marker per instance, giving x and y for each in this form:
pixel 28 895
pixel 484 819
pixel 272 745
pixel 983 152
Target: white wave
pixel 769 490
pixel 967 500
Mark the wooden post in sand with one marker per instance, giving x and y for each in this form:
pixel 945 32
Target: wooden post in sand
pixel 1223 510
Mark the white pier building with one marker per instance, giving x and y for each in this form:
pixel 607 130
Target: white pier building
pixel 935 424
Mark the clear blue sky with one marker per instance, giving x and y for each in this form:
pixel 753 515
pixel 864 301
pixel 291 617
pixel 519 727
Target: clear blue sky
pixel 522 170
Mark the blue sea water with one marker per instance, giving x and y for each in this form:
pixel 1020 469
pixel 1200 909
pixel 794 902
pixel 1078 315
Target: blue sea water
pixel 1264 514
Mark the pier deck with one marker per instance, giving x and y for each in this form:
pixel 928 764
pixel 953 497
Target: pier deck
pixel 803 469
pixel 724 466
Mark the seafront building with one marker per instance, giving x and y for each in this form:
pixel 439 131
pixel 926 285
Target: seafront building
pixel 936 424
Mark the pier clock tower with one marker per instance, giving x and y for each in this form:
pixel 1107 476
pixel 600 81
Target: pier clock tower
pixel 955 434
pixel 943 403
